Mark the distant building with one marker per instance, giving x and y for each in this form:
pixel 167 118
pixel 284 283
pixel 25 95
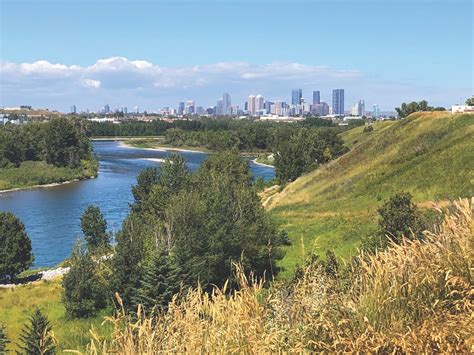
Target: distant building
pixel 190 107
pixel 462 109
pixel 220 108
pixel 358 109
pixel 268 105
pixel 316 97
pixel 321 109
pixel 296 96
pixel 375 111
pixel 73 109
pixel 124 110
pixel 106 108
pixel 251 105
pixel 338 102
pixel 259 103
pixel 226 104
pixel 137 110
pixel 181 108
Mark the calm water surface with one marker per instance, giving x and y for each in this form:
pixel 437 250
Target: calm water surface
pixel 51 215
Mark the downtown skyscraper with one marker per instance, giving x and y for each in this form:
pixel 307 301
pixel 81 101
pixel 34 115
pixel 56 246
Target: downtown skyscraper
pixel 226 104
pixel 316 97
pixel 296 96
pixel 338 102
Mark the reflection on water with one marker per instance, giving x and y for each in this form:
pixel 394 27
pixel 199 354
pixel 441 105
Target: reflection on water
pixel 51 215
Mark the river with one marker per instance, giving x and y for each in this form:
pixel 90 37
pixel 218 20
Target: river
pixel 52 214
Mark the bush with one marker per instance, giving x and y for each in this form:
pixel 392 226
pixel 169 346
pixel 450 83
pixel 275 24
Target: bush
pixel 85 292
pixel 15 246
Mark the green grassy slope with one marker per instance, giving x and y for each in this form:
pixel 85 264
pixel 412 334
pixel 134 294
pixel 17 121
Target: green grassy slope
pixel 430 155
pixel 17 304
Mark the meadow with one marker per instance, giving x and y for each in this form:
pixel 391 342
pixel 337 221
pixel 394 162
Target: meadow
pixel 430 155
pixel 18 303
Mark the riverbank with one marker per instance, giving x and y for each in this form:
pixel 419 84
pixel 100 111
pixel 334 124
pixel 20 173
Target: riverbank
pixel 38 174
pixel 135 145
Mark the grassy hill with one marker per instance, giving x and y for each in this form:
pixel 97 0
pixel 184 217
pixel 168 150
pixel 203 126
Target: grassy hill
pixel 430 155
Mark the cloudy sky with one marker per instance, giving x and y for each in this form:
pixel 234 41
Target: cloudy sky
pixel 156 53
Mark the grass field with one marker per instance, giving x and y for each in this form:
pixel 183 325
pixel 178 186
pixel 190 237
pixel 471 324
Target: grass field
pixel 430 155
pixel 31 173
pixel 17 304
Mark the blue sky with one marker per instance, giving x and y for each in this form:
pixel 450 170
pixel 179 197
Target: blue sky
pixel 155 53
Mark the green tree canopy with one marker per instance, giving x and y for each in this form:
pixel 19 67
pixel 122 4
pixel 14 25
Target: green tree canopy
pixel 94 227
pixel 15 246
pixel 470 101
pixel 85 292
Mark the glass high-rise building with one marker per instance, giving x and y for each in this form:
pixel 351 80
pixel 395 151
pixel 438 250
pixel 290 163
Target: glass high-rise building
pixel 226 104
pixel 316 97
pixel 296 96
pixel 338 102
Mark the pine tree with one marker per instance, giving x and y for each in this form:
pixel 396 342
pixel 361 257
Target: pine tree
pixel 158 285
pixel 3 339
pixel 37 338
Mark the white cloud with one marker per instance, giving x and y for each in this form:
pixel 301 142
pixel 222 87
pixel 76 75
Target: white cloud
pixel 91 83
pixel 118 80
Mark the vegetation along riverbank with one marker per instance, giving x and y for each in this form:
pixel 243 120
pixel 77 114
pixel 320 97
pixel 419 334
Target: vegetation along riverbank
pixel 45 153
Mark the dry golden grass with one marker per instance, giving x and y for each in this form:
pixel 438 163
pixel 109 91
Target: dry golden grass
pixel 412 298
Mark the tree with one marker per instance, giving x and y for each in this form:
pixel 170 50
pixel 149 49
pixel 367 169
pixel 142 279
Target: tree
pixel 407 109
pixel 470 101
pixel 15 246
pixel 159 283
pixel 84 290
pixel 399 217
pixel 94 227
pixel 37 337
pixel 3 339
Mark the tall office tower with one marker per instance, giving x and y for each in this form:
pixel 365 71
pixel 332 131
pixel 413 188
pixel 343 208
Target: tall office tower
pixel 220 108
pixel 73 109
pixel 137 110
pixel 189 108
pixel 376 111
pixel 355 109
pixel 106 109
pixel 361 111
pixel 226 104
pixel 296 96
pixel 338 102
pixel 259 102
pixel 268 106
pixel 316 97
pixel 251 105
pixel 124 110
pixel 181 108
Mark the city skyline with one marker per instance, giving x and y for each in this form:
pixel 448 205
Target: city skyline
pixel 126 55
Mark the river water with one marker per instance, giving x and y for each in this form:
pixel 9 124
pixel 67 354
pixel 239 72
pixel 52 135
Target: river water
pixel 52 214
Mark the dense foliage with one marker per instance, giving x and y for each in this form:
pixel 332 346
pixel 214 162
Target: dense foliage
pixel 94 227
pixel 406 109
pixel 187 228
pixel 15 246
pixel 85 291
pixel 37 337
pixel 62 142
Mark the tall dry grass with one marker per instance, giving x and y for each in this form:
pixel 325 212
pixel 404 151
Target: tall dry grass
pixel 416 297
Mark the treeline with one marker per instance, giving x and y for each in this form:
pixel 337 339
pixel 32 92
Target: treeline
pixel 62 142
pixel 159 127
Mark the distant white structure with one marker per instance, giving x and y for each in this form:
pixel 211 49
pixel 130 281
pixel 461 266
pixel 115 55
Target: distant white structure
pixel 259 100
pixel 462 109
pixel 251 105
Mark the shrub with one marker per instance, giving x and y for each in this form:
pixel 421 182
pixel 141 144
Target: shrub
pixel 15 246
pixel 37 337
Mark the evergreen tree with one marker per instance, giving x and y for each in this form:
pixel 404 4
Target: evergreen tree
pixel 94 227
pixel 159 283
pixel 15 246
pixel 37 337
pixel 3 339
pixel 84 290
